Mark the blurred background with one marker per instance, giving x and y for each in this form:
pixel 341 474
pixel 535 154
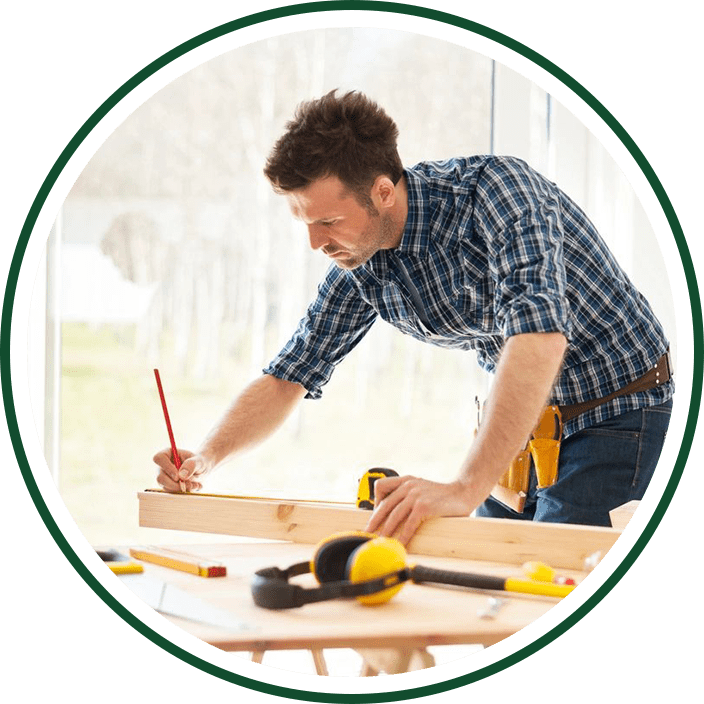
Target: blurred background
pixel 172 252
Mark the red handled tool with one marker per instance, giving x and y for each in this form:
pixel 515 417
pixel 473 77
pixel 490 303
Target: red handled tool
pixel 174 451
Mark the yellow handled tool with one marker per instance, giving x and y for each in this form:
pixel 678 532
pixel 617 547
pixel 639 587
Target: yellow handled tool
pixel 178 560
pixel 544 573
pixel 119 563
pixel 421 574
pixel 365 492
pixel 125 567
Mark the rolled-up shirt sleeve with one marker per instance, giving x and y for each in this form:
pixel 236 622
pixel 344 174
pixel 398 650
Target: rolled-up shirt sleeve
pixel 333 325
pixel 519 216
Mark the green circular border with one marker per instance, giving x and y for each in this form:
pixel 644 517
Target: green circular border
pixel 104 109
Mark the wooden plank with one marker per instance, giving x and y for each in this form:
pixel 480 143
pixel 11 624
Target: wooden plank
pixel 622 515
pixel 493 539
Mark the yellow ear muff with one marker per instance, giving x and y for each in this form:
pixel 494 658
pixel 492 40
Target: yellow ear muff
pixel 329 562
pixel 373 559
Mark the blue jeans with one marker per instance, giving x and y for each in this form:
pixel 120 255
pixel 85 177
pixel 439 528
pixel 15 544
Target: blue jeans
pixel 602 467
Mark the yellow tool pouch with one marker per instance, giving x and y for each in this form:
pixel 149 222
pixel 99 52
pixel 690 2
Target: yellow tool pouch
pixel 512 488
pixel 544 450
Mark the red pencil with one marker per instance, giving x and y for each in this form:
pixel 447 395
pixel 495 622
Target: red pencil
pixel 174 451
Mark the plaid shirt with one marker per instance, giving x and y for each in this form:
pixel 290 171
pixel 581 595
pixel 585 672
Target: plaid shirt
pixel 490 249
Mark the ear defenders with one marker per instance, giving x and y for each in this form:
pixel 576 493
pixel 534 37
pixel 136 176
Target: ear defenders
pixel 349 565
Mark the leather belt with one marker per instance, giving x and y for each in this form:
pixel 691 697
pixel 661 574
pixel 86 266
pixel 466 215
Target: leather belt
pixel 659 374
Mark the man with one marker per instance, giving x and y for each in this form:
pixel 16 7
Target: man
pixel 475 253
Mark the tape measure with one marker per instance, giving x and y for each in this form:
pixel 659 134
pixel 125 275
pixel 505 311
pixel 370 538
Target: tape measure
pixel 365 492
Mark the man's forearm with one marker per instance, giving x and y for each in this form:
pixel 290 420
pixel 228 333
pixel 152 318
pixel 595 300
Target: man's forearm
pixel 253 416
pixel 523 381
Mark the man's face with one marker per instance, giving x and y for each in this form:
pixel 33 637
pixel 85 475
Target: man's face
pixel 339 225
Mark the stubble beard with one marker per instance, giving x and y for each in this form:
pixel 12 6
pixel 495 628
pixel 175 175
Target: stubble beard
pixel 375 238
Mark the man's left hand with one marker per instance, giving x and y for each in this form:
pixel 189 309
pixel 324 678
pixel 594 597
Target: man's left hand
pixel 405 502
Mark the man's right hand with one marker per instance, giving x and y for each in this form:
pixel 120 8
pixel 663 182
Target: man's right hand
pixel 175 480
pixel 253 416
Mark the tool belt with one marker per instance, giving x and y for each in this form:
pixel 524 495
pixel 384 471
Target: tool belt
pixel 543 449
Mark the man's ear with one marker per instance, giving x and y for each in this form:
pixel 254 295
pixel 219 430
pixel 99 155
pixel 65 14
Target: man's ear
pixel 384 192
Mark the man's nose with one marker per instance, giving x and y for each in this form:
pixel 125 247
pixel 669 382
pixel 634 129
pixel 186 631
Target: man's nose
pixel 317 236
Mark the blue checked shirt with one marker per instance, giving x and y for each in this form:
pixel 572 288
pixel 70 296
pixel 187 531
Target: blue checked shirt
pixel 490 249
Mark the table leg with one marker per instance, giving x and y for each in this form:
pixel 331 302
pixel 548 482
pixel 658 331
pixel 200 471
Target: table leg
pixel 421 660
pixel 394 660
pixel 367 670
pixel 319 660
pixel 258 656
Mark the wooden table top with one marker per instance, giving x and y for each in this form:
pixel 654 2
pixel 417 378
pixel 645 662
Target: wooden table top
pixel 418 616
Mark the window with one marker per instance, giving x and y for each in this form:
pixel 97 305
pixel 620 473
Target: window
pixel 177 255
pixel 174 253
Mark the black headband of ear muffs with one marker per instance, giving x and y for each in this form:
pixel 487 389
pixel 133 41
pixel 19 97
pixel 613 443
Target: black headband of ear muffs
pixel 271 588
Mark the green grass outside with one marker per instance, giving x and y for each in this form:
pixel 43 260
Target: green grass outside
pixel 112 424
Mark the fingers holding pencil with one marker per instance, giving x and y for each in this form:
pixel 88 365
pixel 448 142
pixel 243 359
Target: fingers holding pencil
pixel 181 478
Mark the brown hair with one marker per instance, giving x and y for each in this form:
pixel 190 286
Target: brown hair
pixel 349 137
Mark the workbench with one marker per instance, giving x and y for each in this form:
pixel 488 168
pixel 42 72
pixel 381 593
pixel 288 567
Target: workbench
pixel 393 637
